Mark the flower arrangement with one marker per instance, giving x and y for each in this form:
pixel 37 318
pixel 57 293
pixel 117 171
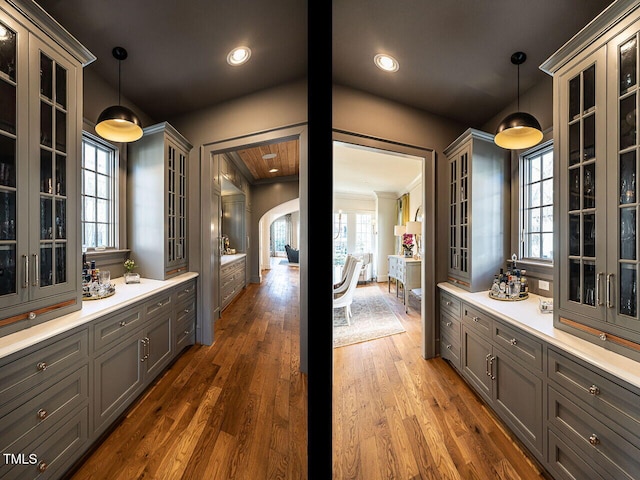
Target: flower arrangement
pixel 129 265
pixel 407 241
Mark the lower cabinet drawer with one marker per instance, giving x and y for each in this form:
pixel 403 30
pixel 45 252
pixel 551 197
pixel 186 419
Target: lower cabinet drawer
pixel 478 320
pixel 52 453
pixel 450 325
pixel 566 464
pixel 450 304
pixel 518 344
pixel 593 438
pixel 450 350
pixel 115 326
pixel 45 361
pixel 31 417
pixel 612 400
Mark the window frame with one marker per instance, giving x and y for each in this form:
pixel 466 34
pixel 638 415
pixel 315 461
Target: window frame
pixel 524 205
pixel 114 191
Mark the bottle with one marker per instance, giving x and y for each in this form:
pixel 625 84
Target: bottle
pixel 524 284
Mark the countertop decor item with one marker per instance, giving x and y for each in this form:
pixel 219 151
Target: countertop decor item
pixel 129 275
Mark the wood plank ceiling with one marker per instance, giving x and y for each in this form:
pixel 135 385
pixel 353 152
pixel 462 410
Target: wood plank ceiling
pixel 286 160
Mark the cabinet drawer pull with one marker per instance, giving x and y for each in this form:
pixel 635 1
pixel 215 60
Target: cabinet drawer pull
pixel 593 390
pixel 159 304
pixel 513 341
pixel 123 323
pixel 42 466
pixel 447 303
pixel 42 414
pixel 449 347
pixel 187 332
pixel 448 324
pixel 187 290
pixel 475 319
pixel 593 439
pixel 187 310
pixel 42 366
pixel 603 337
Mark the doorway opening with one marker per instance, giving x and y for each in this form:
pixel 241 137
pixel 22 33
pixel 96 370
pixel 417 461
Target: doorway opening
pixel 386 213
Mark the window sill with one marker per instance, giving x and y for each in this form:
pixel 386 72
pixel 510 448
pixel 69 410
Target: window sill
pixel 109 252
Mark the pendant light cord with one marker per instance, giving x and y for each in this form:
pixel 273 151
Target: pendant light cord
pixel 119 67
pixel 518 87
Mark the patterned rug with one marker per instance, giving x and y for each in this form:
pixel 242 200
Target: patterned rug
pixel 372 318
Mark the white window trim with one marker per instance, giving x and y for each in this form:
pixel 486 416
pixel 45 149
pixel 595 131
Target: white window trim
pixel 115 193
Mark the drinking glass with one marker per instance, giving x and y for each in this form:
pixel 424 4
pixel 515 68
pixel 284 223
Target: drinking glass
pixel 105 277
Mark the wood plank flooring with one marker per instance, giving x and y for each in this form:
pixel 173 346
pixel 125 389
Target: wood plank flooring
pixel 233 410
pixel 237 409
pixel 398 416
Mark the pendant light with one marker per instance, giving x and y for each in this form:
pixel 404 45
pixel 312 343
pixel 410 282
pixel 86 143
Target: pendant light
pixel 118 123
pixel 520 129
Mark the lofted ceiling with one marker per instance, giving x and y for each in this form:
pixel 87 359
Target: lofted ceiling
pixel 454 55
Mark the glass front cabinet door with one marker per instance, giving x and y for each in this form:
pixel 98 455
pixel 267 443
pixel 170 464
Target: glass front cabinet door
pixel 597 147
pixel 40 114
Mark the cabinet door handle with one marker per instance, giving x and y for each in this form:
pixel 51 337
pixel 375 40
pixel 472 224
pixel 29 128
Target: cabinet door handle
pixel 25 260
pixel 598 299
pixel 143 341
pixel 593 439
pixel 36 270
pixel 593 390
pixel 487 364
pixel 493 377
pixel 148 347
pixel 609 297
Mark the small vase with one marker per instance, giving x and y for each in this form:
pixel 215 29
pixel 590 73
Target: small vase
pixel 130 277
pixel 408 253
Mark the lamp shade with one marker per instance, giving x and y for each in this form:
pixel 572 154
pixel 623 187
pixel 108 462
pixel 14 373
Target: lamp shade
pixel 399 230
pixel 414 228
pixel 119 124
pixel 518 130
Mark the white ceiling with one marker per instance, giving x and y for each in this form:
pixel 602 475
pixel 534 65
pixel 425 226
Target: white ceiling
pixel 359 170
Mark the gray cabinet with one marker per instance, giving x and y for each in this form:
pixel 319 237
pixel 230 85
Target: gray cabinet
pixel 40 125
pixel 406 272
pixel 157 201
pixel 232 280
pixel 185 317
pixel 44 405
pixel 450 329
pixel 504 365
pixel 597 153
pixel 478 187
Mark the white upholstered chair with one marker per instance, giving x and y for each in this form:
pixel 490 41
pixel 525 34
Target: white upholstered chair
pixel 342 285
pixel 345 299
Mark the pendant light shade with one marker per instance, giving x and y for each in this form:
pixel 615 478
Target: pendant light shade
pixel 520 129
pixel 118 123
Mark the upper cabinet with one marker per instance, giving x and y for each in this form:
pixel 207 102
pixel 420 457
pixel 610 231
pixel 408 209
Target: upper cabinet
pixel 40 135
pixel 596 91
pixel 478 196
pixel 157 201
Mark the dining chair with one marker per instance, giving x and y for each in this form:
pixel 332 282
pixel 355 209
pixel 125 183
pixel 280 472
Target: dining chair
pixel 346 299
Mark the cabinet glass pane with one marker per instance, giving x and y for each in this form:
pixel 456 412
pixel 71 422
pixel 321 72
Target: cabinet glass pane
pixel 574 280
pixel 574 189
pixel 589 128
pixel 589 80
pixel 628 122
pixel 46 218
pixel 8 281
pixel 61 131
pixel 7 107
pixel 628 290
pixel 46 265
pixel 589 284
pixel 46 125
pixel 61 263
pixel 8 52
pixel 574 98
pixel 574 143
pixel 61 175
pixel 589 235
pixel 61 86
pixel 7 161
pixel 46 76
pixel 628 54
pixel 574 235
pixel 628 177
pixel 46 171
pixel 628 233
pixel 61 219
pixel 89 212
pixel 589 186
pixel 7 215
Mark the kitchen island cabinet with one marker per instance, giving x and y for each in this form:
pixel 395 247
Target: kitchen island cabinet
pixel 573 404
pixel 81 371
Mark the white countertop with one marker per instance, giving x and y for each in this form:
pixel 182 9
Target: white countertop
pixel 224 259
pixel 526 315
pixel 126 294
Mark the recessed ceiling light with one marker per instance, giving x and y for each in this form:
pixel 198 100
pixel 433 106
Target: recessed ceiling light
pixel 269 156
pixel 238 56
pixel 273 170
pixel 386 62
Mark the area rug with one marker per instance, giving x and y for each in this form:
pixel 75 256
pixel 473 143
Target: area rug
pixel 372 318
pixel 284 261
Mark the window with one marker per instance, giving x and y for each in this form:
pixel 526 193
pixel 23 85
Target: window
pixel 536 214
pixel 99 183
pixel 364 233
